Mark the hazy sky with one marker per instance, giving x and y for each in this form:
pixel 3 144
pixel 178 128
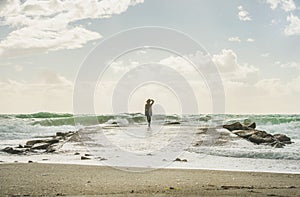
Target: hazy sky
pixel 255 44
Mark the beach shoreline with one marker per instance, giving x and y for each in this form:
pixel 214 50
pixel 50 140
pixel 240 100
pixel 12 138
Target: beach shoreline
pixel 36 179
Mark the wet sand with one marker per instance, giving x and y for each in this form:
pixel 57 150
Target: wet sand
pixel 35 179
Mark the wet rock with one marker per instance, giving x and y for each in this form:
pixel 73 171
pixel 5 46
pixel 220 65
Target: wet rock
pixel 84 158
pixel 282 138
pixel 171 123
pixel 20 146
pixel 269 139
pixel 249 132
pixel 234 126
pixel 40 146
pixel 252 125
pixel 181 160
pixel 277 144
pixel 13 150
pixel 32 142
pixel 245 133
pixel 256 139
pixel 52 141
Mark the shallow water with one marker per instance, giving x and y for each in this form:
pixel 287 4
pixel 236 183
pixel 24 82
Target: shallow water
pixel 125 140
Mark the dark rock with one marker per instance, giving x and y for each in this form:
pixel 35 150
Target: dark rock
pixel 60 134
pixel 76 153
pixel 84 158
pixel 245 133
pixel 30 161
pixel 269 139
pixel 32 142
pixel 64 135
pixel 51 148
pixel 234 126
pixel 277 144
pixel 40 146
pixel 87 155
pixel 20 146
pixel 181 160
pixel 171 123
pixel 252 125
pixel 69 134
pixel 12 150
pixel 52 141
pixel 256 139
pixel 282 138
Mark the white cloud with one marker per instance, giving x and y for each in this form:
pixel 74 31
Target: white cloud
pixel 53 92
pixel 231 70
pixel 51 25
pixel 294 27
pixel 18 68
pixel 265 54
pixel 286 5
pixel 243 14
pixel 290 65
pixel 234 39
pixel 250 40
pixel 246 91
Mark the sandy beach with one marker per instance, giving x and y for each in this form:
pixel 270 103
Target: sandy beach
pixel 34 179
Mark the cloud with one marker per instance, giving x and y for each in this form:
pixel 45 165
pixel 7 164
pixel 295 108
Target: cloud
pixel 18 68
pixel 234 39
pixel 53 92
pixel 231 70
pixel 265 54
pixel 250 40
pixel 243 14
pixel 290 65
pixel 294 27
pixel 286 5
pixel 41 26
pixel 246 91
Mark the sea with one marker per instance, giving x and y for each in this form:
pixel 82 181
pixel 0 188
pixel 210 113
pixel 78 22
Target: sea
pixel 122 141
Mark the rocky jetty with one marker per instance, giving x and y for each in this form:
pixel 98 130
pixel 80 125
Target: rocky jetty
pixel 248 131
pixel 45 145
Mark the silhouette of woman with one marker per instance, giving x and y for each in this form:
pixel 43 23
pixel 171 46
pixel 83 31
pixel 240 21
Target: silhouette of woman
pixel 148 110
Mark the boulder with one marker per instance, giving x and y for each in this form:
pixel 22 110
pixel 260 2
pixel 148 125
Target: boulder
pixel 256 139
pixel 234 126
pixel 278 144
pixel 40 146
pixel 171 123
pixel 245 133
pixel 84 158
pixel 32 142
pixel 252 125
pixel 282 138
pixel 13 150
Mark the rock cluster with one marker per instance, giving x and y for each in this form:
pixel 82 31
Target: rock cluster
pixel 45 145
pixel 257 136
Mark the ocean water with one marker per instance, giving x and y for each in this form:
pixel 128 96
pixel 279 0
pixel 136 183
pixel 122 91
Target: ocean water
pixel 124 140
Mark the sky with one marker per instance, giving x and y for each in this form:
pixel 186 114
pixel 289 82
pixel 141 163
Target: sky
pixel 254 46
